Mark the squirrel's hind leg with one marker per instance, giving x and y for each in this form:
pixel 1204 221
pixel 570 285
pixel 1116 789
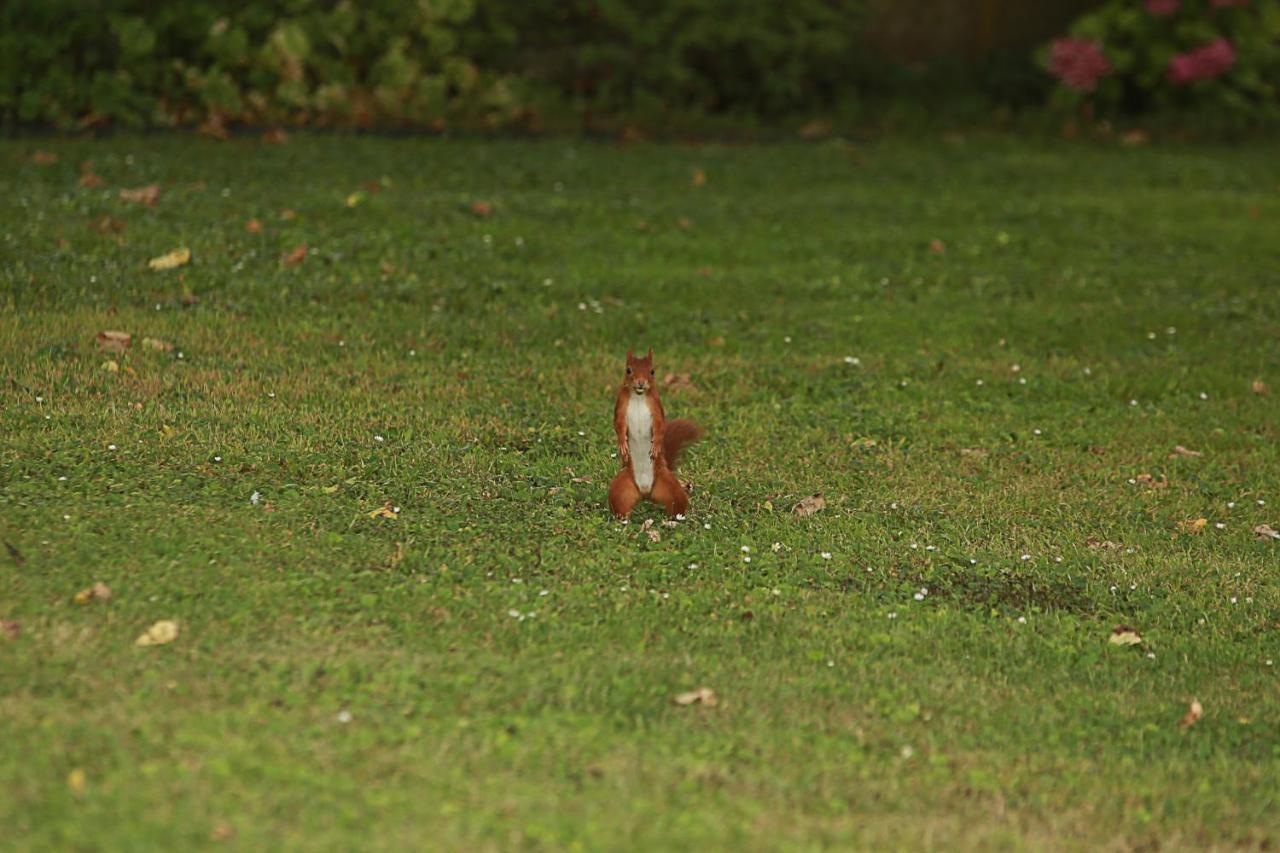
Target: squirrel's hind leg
pixel 623 493
pixel 668 492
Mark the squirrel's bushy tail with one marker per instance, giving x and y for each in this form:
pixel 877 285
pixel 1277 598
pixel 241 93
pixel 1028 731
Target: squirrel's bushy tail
pixel 678 433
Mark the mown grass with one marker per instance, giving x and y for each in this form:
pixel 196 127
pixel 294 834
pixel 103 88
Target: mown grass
pixel 974 419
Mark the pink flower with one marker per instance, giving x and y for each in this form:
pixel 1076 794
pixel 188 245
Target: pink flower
pixel 1163 8
pixel 1078 63
pixel 1203 63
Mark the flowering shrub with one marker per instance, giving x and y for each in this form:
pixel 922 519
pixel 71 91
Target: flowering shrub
pixel 1134 56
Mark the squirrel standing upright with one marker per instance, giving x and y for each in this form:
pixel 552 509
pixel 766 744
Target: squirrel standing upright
pixel 648 444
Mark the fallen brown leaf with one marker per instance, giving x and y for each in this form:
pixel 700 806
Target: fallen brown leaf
pixel 44 158
pixel 147 195
pixel 699 178
pixel 88 178
pixel 809 506
pixel 253 226
pixel 1102 544
pixel 1193 526
pixel 701 696
pixel 1123 635
pixel 1259 387
pixel 295 257
pixel 387 510
pixel 171 260
pixel 157 345
pixel 973 451
pixel 107 225
pixel 483 209
pixel 98 592
pixel 816 129
pixel 1194 712
pixel 10 629
pixel 109 341
pixel 1152 482
pixel 937 247
pixel 1179 450
pixel 1265 531
pixel 163 632
pixel 678 381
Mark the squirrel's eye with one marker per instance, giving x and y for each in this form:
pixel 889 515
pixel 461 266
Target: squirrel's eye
pixel 628 371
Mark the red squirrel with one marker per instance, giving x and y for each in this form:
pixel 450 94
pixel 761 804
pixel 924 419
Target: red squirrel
pixel 648 444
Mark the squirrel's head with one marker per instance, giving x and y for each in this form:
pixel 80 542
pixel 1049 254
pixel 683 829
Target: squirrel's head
pixel 639 376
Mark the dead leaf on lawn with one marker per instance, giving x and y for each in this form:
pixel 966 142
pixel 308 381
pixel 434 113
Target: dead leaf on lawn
pixel 1152 482
pixel 387 510
pixel 937 247
pixel 98 592
pixel 1102 544
pixel 253 226
pixel 111 366
pixel 109 341
pixel 171 260
pixel 1123 635
pixel 1179 450
pixel 1265 531
pixel 1193 526
pixel 701 696
pixel 76 780
pixel 483 209
pixel 157 345
pixel 163 632
pixel 973 451
pixel 809 506
pixel 295 257
pixel 10 629
pixel 1259 387
pixel 357 198
pixel 654 535
pixel 44 158
pixel 88 178
pixel 107 225
pixel 816 129
pixel 699 178
pixel 678 381
pixel 147 195
pixel 1194 712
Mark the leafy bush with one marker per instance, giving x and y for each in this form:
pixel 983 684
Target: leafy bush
pixel 136 62
pixel 702 55
pixel 1218 57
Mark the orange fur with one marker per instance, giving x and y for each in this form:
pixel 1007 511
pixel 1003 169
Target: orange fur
pixel 668 438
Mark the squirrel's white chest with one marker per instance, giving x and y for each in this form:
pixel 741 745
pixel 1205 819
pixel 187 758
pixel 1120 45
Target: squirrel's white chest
pixel 640 441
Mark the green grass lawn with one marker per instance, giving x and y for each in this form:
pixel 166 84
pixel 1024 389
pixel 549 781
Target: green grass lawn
pixel 494 667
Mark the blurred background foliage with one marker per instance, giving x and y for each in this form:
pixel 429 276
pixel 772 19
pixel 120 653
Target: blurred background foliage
pixel 624 64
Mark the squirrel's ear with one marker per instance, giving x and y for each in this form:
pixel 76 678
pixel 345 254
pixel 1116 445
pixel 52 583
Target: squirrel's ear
pixel 650 355
pixel 630 355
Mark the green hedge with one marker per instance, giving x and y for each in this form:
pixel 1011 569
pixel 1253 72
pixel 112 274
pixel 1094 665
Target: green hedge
pixel 413 62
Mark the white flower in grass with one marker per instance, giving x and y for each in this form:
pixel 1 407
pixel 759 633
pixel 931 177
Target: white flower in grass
pixel 826 555
pixel 746 549
pixel 893 614
pixel 1022 620
pixel 379 439
pixel 343 716
pixel 1204 396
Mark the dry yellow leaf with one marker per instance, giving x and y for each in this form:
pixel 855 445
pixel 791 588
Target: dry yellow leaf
pixel 164 631
pixel 1259 387
pixel 1194 712
pixel 171 260
pixel 701 696
pixel 111 366
pixel 76 780
pixel 1192 526
pixel 1179 450
pixel 157 345
pixel 386 511
pixel 98 592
